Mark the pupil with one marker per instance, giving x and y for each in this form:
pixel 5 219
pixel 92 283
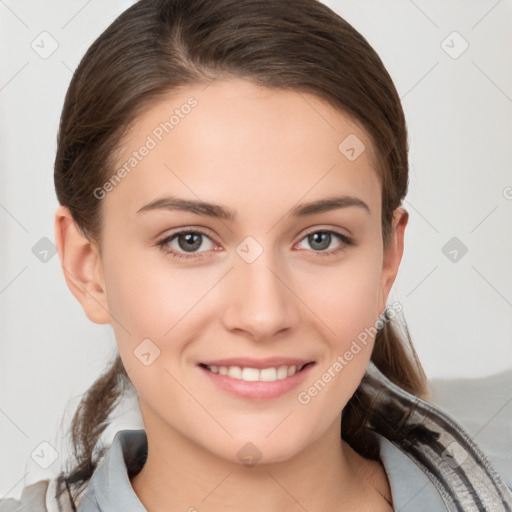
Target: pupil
pixel 192 241
pixel 324 239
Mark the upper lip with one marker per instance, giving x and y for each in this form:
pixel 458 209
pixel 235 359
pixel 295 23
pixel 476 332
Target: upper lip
pixel 247 362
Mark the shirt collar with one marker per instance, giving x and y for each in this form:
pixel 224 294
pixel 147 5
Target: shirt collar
pixel 110 489
pixel 411 488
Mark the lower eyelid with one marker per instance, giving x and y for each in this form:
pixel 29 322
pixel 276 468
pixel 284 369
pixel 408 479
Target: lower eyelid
pixel 164 243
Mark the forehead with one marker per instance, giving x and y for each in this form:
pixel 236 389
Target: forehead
pixel 241 144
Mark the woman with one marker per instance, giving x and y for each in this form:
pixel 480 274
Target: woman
pixel 230 175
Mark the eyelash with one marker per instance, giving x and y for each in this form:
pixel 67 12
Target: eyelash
pixel 163 244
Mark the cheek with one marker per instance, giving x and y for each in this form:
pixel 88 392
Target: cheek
pixel 148 299
pixel 150 308
pixel 148 296
pixel 344 297
pixel 345 303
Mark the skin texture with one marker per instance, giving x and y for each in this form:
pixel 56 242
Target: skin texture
pixel 259 152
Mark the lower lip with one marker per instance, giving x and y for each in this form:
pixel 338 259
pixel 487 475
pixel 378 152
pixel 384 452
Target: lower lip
pixel 257 390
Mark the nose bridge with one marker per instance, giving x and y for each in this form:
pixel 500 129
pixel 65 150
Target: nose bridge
pixel 259 301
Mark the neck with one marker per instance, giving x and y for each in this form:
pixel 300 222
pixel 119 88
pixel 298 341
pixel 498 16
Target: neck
pixel 325 476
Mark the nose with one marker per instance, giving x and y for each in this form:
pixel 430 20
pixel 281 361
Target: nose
pixel 259 298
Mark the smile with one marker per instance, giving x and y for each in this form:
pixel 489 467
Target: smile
pixel 255 374
pixel 256 383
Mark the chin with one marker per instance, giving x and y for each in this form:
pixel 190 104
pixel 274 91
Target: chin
pixel 261 452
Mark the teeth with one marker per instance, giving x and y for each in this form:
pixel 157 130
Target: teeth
pixel 282 372
pixel 235 372
pixel 255 374
pixel 250 374
pixel 268 374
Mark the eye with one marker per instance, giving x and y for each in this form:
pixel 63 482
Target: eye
pixel 184 244
pixel 320 240
pixel 185 241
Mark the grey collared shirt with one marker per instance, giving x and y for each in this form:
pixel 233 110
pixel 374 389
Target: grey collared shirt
pixel 110 489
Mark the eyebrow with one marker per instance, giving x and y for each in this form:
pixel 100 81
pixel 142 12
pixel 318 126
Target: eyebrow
pixel 221 212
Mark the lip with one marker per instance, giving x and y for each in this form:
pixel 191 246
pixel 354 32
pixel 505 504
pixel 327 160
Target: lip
pixel 256 390
pixel 247 362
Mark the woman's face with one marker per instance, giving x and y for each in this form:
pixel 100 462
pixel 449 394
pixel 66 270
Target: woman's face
pixel 252 290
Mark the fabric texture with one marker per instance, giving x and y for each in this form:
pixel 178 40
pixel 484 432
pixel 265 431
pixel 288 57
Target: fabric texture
pixel 33 499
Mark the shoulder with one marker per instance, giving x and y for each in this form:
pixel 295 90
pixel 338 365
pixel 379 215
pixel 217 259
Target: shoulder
pixel 483 407
pixel 33 499
pixel 37 497
pixel 432 436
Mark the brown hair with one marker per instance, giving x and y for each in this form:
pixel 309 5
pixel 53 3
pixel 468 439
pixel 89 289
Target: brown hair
pixel 156 46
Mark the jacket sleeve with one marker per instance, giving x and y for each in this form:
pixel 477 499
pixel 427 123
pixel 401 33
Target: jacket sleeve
pixel 33 499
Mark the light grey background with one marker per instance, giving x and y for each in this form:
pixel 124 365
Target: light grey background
pixel 459 113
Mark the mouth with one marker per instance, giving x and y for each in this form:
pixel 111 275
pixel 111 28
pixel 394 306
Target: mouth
pixel 254 374
pixel 256 379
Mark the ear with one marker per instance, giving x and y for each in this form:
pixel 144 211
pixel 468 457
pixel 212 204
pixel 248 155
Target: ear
pixel 81 263
pixel 392 255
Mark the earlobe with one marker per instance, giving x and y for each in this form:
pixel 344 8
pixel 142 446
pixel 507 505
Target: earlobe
pixel 393 254
pixel 82 267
